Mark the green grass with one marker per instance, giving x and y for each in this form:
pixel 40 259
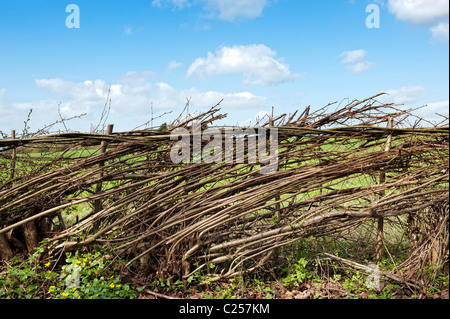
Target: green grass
pixel 80 276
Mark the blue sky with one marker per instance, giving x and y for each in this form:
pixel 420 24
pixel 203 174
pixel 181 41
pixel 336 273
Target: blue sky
pixel 254 54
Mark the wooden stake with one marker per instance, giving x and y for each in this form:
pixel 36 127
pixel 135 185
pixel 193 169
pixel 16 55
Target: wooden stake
pixel 5 249
pixel 277 197
pixel 14 154
pixel 31 236
pixel 98 188
pixel 380 220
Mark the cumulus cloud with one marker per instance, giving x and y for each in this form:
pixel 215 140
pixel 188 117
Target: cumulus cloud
pixel 440 32
pixel 129 30
pixel 433 14
pixel 131 99
pixel 257 63
pixel 434 111
pixel 404 95
pixel 178 4
pixel 166 96
pixel 173 65
pixel 134 93
pixel 419 11
pixel 441 107
pixel 75 98
pixel 13 115
pixel 240 100
pixel 356 61
pixel 258 119
pixel 262 116
pixel 88 91
pixel 413 97
pixel 228 10
pixel 2 92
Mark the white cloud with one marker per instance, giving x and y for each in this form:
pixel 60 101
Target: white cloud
pixel 136 83
pixel 129 30
pixel 404 95
pixel 440 32
pixel 419 11
pixel 379 2
pixel 257 64
pixel 231 9
pixel 173 65
pixel 178 4
pixel 134 94
pixel 413 97
pixel 356 61
pixel 131 97
pixel 92 91
pixel 441 107
pixel 228 10
pixel 241 100
pixel 2 93
pixel 75 97
pixel 259 118
pixel 434 111
pixel 353 56
pixel 165 96
pixel 430 13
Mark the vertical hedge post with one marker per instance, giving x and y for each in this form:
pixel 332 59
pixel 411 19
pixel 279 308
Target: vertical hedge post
pixel 5 249
pixel 277 197
pixel 13 157
pixel 380 220
pixel 98 188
